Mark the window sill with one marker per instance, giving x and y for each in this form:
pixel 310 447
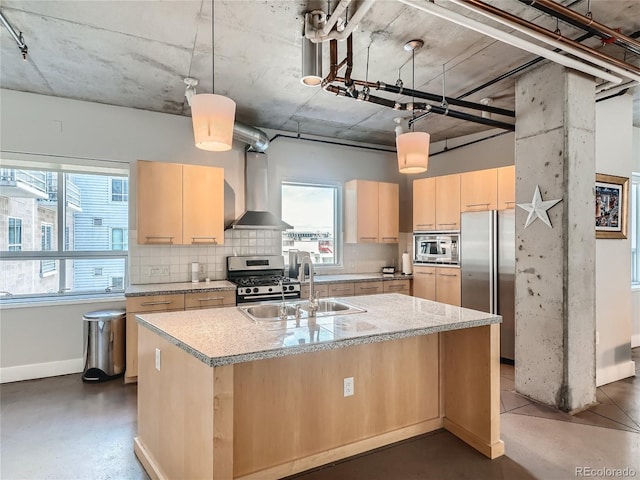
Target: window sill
pixel 7 304
pixel 635 287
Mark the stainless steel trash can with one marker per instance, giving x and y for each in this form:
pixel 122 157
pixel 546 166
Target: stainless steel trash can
pixel 104 345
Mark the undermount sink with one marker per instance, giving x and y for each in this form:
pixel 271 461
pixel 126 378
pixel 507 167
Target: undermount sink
pixel 270 312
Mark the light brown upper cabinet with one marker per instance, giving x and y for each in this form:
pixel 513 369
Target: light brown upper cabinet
pixel 479 190
pixel 180 204
pixel 388 212
pixel 448 202
pixel 506 187
pixel 424 204
pixel 371 212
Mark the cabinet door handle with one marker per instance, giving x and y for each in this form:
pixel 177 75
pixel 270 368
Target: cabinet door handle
pixel 454 223
pixel 368 288
pixel 478 205
pixel 389 238
pixel 368 238
pixel 219 299
pixel 340 289
pixel 151 239
pixel 165 302
pixel 200 240
pixel 396 287
pixel 508 202
pixel 447 275
pixel 424 224
pixel 424 273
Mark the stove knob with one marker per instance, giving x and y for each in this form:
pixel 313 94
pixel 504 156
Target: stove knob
pixel 248 290
pixel 255 289
pixel 270 289
pixel 291 287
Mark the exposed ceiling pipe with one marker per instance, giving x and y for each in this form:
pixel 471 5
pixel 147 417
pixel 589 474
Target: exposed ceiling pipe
pixel 550 38
pixel 256 139
pixel 427 6
pixel 333 17
pixel 19 39
pixel 419 106
pixel 584 22
pixel 317 35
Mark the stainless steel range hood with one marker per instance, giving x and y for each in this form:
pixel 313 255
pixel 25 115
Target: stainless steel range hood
pixel 257 216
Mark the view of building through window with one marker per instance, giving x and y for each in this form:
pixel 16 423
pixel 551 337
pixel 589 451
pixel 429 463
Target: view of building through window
pixel 312 210
pixel 36 259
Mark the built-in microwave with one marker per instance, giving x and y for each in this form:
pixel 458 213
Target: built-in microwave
pixel 436 248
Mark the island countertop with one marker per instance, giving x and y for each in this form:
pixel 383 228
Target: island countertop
pixel 224 336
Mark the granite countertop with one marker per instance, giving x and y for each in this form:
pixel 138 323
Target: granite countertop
pixel 180 287
pixel 224 336
pixel 357 277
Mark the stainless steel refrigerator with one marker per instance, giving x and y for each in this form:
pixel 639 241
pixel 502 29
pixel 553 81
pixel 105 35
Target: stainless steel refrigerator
pixel 487 263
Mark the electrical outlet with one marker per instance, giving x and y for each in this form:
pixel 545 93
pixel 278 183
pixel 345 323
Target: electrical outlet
pixel 597 338
pixel 158 359
pixel 348 387
pixel 201 268
pixel 159 270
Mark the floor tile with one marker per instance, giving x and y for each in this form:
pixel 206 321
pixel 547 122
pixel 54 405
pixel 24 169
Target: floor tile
pixel 512 400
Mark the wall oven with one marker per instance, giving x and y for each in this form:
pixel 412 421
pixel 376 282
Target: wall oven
pixel 438 248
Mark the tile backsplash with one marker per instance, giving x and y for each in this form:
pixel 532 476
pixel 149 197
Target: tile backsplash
pixel 164 264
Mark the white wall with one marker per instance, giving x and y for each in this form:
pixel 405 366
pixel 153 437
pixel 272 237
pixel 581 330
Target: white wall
pixel 614 141
pixel 635 294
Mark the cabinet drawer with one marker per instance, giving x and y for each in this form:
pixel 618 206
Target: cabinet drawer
pixel 341 290
pixel 322 291
pixel 367 288
pixel 155 303
pixel 397 286
pixel 209 299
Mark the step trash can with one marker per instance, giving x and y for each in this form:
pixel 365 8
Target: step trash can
pixel 104 345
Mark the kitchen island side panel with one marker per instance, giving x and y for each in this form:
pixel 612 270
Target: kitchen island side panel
pixel 292 408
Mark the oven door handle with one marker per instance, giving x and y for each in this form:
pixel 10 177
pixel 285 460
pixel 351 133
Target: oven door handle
pixel 274 296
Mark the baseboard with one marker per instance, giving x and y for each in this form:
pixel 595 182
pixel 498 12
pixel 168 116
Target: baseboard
pixel 41 370
pixel 615 373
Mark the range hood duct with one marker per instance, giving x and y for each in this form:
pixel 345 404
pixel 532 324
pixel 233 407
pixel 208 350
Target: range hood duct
pixel 256 139
pixel 257 216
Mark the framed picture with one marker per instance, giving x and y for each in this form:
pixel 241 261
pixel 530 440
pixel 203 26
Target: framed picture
pixel 611 206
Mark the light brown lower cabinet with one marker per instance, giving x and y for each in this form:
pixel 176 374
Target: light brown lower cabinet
pixel 368 288
pixel 165 303
pixel 322 291
pixel 441 284
pixel 397 286
pixel 342 289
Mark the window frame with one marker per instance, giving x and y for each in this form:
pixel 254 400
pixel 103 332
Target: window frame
pixel 634 228
pixel 337 219
pixel 125 196
pixel 125 239
pixel 59 251
pixel 11 246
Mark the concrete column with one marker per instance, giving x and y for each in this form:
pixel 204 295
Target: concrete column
pixel 555 267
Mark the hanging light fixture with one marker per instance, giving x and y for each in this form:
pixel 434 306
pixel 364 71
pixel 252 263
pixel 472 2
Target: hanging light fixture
pixel 213 115
pixel 311 63
pixel 413 147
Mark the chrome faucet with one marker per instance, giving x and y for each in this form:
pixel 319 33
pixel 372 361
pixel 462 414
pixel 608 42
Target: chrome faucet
pixel 313 299
pixel 283 306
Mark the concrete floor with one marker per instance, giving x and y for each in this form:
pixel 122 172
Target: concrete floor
pixel 60 428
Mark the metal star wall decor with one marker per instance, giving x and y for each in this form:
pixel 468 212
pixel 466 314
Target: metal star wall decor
pixel 538 208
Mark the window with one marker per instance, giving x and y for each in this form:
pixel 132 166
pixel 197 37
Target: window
pixel 635 228
pixel 313 212
pixel 52 247
pixel 119 190
pixel 119 239
pixel 97 222
pixel 117 283
pixel 47 267
pixel 15 234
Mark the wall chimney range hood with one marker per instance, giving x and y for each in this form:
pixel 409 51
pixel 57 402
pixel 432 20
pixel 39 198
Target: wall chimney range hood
pixel 257 216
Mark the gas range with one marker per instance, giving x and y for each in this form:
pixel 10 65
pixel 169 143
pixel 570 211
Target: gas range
pixel 261 278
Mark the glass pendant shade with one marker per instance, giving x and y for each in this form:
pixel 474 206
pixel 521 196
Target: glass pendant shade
pixel 213 118
pixel 413 152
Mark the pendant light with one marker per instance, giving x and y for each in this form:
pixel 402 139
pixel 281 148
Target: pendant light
pixel 213 115
pixel 413 147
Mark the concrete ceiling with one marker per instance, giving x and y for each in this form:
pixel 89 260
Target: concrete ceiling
pixel 137 53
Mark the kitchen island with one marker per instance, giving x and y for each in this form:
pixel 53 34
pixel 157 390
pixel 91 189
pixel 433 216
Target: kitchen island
pixel 222 396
